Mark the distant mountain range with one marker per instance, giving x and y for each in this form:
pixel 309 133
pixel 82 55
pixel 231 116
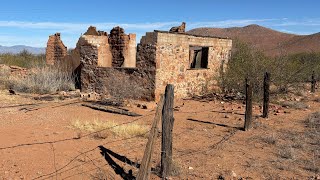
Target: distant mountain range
pixel 269 41
pixel 17 49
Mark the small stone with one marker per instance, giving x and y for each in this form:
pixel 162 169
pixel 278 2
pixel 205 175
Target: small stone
pixel 63 93
pixel 190 168
pixel 233 174
pixel 226 116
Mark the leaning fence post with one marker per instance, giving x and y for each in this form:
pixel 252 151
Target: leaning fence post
pixel 248 114
pixel 167 126
pixel 313 83
pixel 266 94
pixel 145 167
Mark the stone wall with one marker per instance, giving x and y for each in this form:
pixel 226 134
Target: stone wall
pixel 117 82
pixel 173 63
pixel 146 52
pixel 56 51
pixel 123 48
pixel 113 65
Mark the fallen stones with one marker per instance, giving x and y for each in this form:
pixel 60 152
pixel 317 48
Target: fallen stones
pixel 179 29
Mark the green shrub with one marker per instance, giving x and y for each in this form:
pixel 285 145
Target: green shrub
pixel 23 59
pixel 286 71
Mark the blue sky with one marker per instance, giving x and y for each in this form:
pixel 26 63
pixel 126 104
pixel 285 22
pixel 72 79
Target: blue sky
pixel 30 22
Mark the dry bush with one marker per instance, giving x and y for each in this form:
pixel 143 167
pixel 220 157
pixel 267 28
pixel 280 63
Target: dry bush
pixel 4 76
pixel 313 121
pixel 313 124
pixel 294 104
pixel 44 79
pixel 269 139
pixel 111 128
pixel 127 86
pixel 286 152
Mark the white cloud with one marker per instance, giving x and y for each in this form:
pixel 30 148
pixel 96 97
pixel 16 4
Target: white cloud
pixel 71 31
pixel 71 27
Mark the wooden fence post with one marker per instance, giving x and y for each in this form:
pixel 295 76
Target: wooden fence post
pixel 266 95
pixel 145 167
pixel 313 83
pixel 248 114
pixel 167 126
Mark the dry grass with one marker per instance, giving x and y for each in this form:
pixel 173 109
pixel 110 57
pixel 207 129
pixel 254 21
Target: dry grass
pixel 294 105
pixel 313 121
pixel 286 152
pixel 269 139
pixel 43 80
pixel 112 129
pixel 4 77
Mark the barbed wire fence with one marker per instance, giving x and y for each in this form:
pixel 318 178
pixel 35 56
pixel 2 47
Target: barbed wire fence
pixel 164 112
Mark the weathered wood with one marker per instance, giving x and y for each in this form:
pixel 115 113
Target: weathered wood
pixel 145 168
pixel 313 83
pixel 110 109
pixel 167 126
pixel 248 114
pixel 266 95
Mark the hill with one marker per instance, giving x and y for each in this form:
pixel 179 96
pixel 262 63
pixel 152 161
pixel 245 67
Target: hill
pixel 17 49
pixel 267 40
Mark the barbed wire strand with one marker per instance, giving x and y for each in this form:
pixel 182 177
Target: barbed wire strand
pixel 74 158
pixel 74 138
pixel 83 164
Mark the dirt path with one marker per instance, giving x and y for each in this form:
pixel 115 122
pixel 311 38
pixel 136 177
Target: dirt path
pixel 208 142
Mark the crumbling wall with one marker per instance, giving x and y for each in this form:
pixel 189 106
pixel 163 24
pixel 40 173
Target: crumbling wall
pixel 173 63
pixel 179 29
pixel 117 82
pixel 146 52
pixel 56 51
pixel 115 50
pixel 123 48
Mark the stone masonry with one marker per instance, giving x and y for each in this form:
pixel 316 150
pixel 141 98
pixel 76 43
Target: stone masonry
pixel 171 58
pixel 113 64
pixel 179 29
pixel 56 51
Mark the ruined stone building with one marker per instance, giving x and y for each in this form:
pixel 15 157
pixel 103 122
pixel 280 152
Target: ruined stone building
pixel 112 64
pixel 56 51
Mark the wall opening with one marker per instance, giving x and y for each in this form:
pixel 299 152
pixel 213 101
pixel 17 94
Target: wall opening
pixel 198 57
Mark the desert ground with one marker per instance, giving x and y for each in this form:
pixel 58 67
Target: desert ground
pixel 44 140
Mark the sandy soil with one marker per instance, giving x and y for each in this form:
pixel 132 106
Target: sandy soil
pixel 208 141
